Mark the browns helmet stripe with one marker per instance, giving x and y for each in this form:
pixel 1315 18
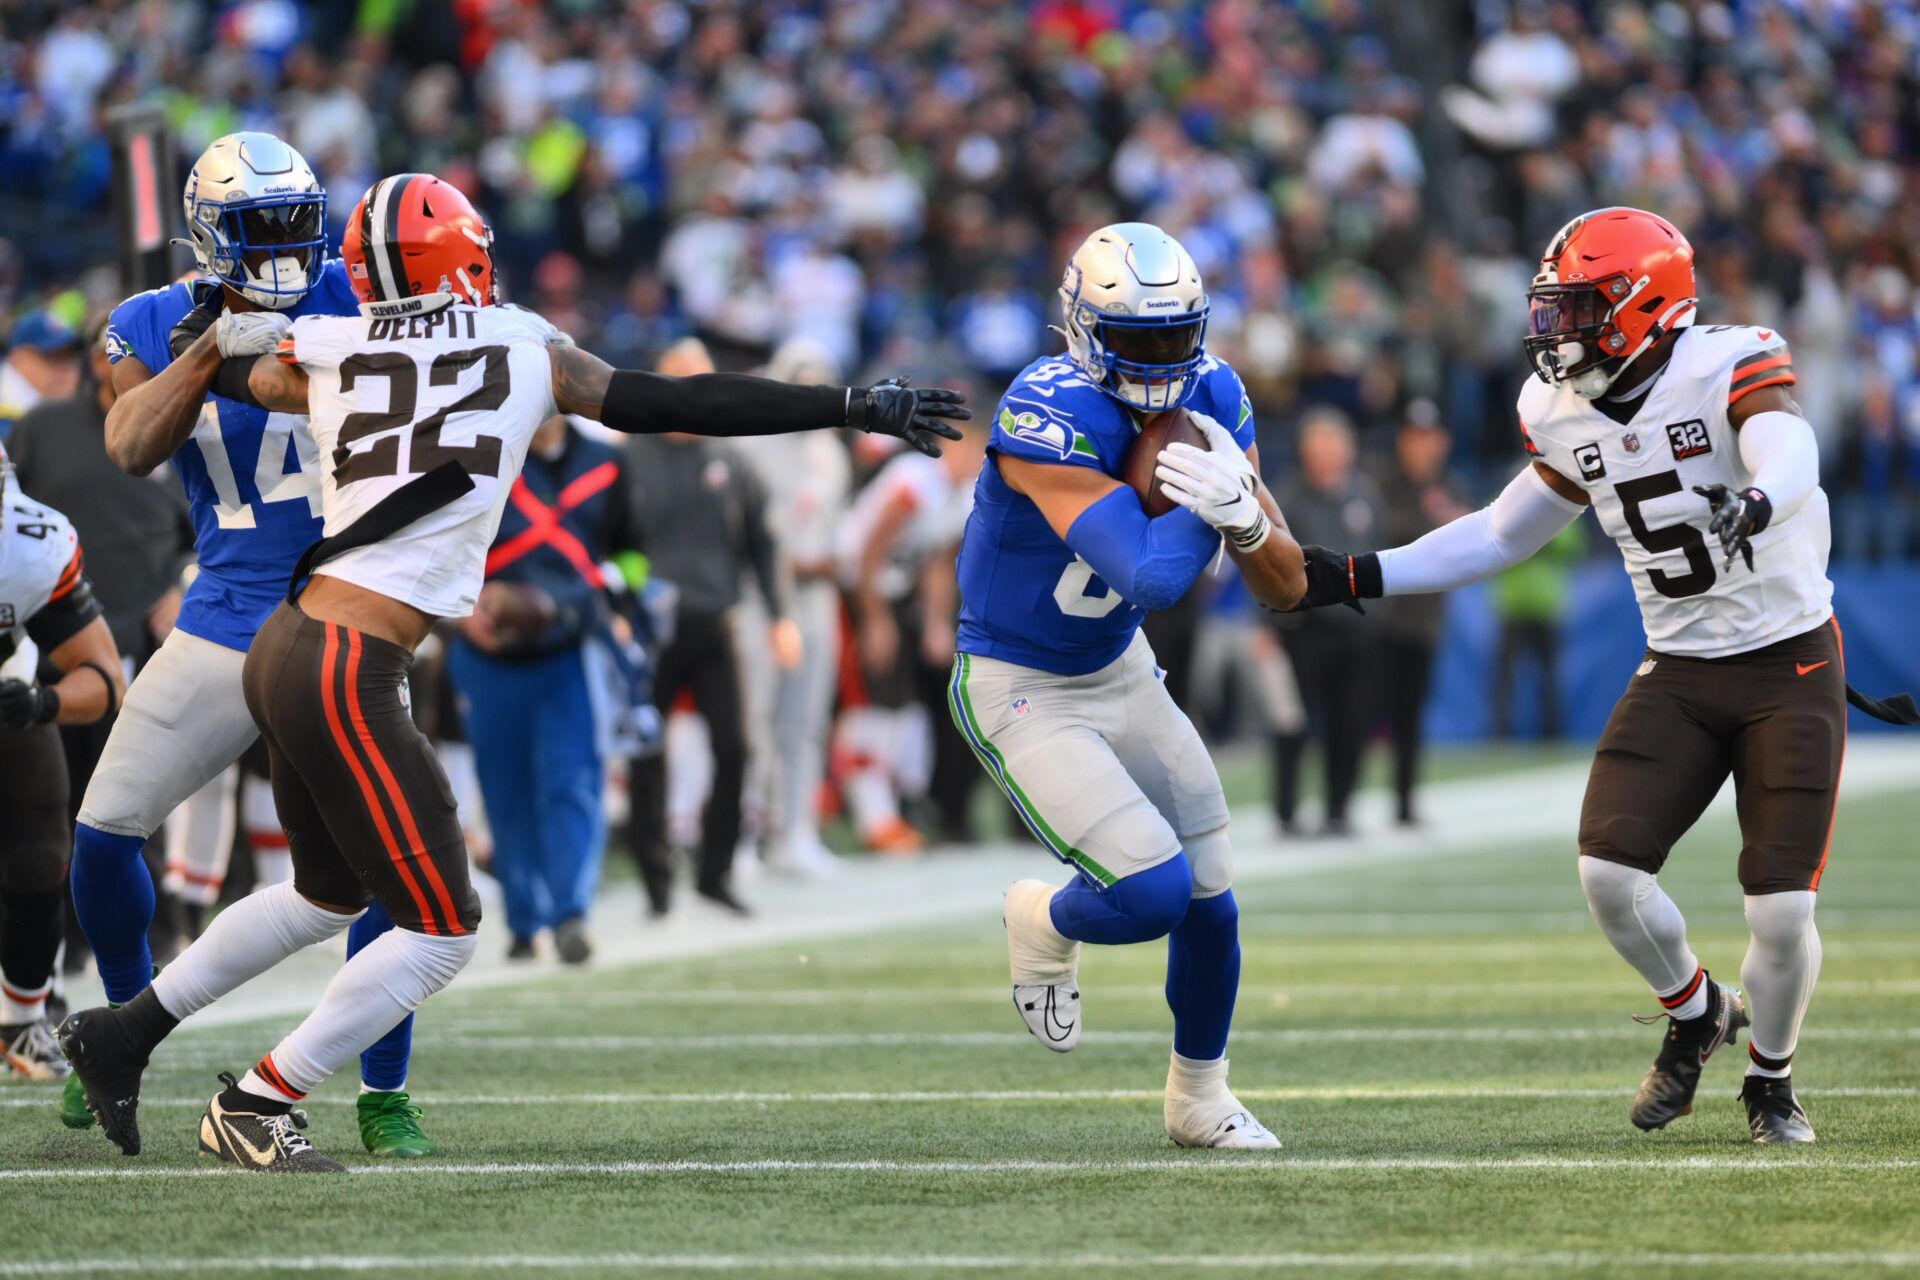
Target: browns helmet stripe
pixel 380 234
pixel 381 281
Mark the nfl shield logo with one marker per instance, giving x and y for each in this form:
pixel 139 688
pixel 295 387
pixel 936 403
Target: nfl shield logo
pixel 1021 706
pixel 1631 442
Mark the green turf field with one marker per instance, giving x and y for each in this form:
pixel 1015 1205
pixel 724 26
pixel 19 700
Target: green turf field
pixel 1442 1044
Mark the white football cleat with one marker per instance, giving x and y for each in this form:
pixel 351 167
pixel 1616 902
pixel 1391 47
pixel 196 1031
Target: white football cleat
pixel 1202 1112
pixel 1045 967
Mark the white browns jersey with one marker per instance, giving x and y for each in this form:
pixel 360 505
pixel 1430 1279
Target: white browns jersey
pixel 936 515
pixel 1640 478
pixel 391 398
pixel 39 563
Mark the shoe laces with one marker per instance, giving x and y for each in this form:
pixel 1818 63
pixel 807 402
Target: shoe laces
pixel 35 1041
pixel 394 1114
pixel 285 1131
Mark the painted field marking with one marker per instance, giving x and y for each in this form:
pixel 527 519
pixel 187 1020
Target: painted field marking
pixel 1230 1166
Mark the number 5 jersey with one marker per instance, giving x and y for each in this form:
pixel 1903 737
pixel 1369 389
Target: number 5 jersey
pixel 1640 475
pixel 391 397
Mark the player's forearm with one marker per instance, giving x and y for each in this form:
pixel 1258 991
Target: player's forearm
pixel 1150 562
pixel 1275 571
pixel 149 421
pixel 1783 455
pixel 708 404
pixel 1524 518
pixel 92 684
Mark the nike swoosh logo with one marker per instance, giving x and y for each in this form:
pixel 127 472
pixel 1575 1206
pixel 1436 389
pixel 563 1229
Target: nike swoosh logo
pixel 1051 1019
pixel 1041 391
pixel 1801 668
pixel 258 1155
pixel 1766 334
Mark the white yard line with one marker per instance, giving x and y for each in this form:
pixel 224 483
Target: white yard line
pixel 915 1263
pixel 1229 1166
pixel 1467 816
pixel 906 1097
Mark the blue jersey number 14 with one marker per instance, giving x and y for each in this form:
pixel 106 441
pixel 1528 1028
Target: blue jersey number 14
pixel 271 479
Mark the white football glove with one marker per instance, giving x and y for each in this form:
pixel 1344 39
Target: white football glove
pixel 1217 484
pixel 249 333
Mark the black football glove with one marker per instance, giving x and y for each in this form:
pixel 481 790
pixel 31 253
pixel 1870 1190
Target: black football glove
pixel 23 705
pixel 1336 577
pixel 892 408
pixel 1737 516
pixel 209 300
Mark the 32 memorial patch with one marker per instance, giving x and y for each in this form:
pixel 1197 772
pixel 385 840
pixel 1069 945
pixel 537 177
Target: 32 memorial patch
pixel 1689 439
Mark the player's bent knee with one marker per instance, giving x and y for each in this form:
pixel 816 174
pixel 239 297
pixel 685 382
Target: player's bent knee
pixel 1210 855
pixel 1156 899
pixel 434 959
pixel 1780 919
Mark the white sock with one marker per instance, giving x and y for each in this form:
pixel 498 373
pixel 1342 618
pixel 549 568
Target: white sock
pixel 1196 1078
pixel 384 983
pixel 1782 964
pixel 1647 929
pixel 399 1088
pixel 19 1005
pixel 244 941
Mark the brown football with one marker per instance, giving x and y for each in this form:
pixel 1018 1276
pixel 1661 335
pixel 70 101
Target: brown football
pixel 1159 431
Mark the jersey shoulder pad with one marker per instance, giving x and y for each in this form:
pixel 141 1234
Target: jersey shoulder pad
pixel 321 341
pixel 138 326
pixel 1053 414
pixel 1223 397
pixel 515 319
pixel 1749 357
pixel 44 550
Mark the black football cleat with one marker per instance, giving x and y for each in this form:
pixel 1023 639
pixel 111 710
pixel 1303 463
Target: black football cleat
pixel 109 1066
pixel 1773 1114
pixel 260 1141
pixel 1667 1092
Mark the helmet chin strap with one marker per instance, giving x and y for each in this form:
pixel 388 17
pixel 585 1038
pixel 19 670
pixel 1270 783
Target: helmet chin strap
pixel 1600 381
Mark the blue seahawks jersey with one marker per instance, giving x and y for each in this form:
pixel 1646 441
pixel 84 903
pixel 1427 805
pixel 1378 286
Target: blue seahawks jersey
pixel 1024 596
pixel 252 481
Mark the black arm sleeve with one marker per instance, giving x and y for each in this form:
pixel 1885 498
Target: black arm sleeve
pixel 231 381
pixel 718 404
pixel 62 619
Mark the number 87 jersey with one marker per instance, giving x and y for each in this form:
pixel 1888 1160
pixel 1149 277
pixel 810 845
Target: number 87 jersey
pixel 392 396
pixel 1640 475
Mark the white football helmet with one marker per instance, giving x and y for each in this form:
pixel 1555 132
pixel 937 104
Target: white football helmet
pixel 1136 314
pixel 257 218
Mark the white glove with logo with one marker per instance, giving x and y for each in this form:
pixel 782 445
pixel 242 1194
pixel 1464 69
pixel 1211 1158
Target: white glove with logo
pixel 1217 484
pixel 249 333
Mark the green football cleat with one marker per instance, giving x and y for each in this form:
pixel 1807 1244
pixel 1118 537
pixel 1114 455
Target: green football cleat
pixel 390 1126
pixel 73 1105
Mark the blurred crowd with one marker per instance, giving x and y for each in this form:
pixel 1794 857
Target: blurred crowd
pixel 895 184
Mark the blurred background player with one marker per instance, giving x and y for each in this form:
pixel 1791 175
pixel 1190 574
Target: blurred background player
pixel 893 555
pixel 1057 691
pixel 525 663
pixel 1685 440
pixel 256 218
pixel 701 518
pixel 47 611
pixel 806 478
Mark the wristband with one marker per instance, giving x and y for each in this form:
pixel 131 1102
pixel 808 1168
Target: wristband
pixel 1253 537
pixel 1759 509
pixel 1363 576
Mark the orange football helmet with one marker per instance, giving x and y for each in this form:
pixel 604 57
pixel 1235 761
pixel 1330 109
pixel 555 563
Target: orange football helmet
pixel 413 235
pixel 1611 284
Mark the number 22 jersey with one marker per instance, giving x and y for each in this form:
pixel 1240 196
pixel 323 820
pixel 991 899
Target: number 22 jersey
pixel 1640 477
pixel 390 398
pixel 249 475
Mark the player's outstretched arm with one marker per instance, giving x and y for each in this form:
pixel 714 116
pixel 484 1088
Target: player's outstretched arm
pixel 738 404
pixel 1150 562
pixel 1536 505
pixel 1222 485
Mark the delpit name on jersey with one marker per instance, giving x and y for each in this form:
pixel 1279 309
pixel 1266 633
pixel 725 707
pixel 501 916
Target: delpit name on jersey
pixel 1640 476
